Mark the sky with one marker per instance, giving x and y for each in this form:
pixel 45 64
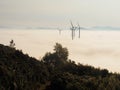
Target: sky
pixel 58 13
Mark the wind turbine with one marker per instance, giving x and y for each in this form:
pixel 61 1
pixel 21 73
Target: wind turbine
pixel 79 29
pixel 73 30
pixel 59 31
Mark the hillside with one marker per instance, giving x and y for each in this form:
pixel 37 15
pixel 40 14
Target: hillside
pixel 55 71
pixel 19 71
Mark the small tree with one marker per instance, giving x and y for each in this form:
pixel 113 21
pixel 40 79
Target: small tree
pixel 61 52
pixel 12 44
pixel 58 57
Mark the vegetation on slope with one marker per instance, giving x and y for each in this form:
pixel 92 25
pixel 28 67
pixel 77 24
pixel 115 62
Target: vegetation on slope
pixel 19 71
pixel 54 72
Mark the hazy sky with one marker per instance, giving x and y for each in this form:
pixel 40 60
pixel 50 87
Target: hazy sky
pixel 58 13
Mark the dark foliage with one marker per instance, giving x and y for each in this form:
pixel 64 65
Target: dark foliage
pixel 55 71
pixel 19 71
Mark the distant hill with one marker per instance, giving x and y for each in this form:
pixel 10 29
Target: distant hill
pixel 105 28
pixel 55 71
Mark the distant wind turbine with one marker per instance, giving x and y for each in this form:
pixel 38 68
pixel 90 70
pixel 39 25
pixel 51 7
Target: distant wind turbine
pixel 79 29
pixel 73 30
pixel 59 31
